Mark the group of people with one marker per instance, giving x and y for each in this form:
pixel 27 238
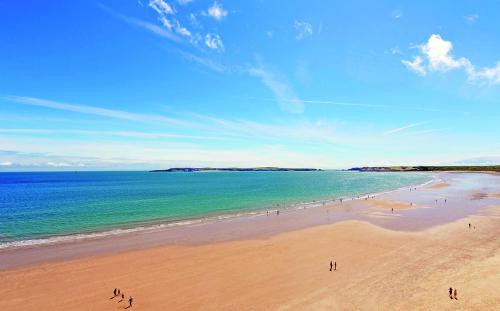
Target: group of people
pixel 117 293
pixel 452 294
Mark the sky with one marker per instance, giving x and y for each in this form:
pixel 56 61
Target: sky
pixel 151 84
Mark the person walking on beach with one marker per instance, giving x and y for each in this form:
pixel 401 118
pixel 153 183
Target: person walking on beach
pixel 455 294
pixel 469 226
pixel 450 291
pixel 130 300
pixel 392 210
pixel 335 267
pixel 115 291
pixel 278 212
pixel 331 265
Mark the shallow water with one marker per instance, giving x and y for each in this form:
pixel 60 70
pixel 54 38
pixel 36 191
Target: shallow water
pixel 41 205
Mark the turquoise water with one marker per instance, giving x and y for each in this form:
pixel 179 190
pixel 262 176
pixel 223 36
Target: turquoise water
pixel 43 205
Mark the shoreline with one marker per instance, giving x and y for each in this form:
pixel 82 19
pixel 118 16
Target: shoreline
pixel 260 226
pixel 404 259
pixel 163 224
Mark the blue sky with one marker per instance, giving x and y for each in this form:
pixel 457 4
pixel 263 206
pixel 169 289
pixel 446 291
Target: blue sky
pixel 144 84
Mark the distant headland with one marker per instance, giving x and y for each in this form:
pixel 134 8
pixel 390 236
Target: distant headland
pixel 475 168
pixel 235 169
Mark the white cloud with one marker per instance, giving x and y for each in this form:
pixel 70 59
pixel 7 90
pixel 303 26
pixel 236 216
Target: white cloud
pixel 214 42
pixel 283 93
pixel 436 55
pixel 166 17
pixel 182 30
pixel 489 75
pixel 6 163
pixel 303 29
pixel 471 19
pixel 161 7
pixel 217 11
pixel 415 65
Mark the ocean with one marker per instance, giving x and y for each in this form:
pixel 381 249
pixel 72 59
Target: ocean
pixel 41 207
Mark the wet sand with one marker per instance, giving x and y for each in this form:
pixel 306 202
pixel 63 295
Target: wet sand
pixel 401 261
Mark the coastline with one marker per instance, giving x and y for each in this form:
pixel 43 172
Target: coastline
pixel 163 224
pixel 245 226
pixel 401 260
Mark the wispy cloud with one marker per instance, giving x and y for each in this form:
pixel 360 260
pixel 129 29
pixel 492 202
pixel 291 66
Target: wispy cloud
pixel 92 110
pixel 128 134
pixel 283 93
pixel 207 62
pixel 471 19
pixel 436 56
pixel 361 105
pixel 303 29
pixel 397 14
pixel 402 128
pixel 157 30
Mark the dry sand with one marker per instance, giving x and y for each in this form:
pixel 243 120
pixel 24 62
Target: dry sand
pixel 377 269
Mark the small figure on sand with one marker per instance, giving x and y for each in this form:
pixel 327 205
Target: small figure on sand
pixel 392 210
pixel 450 293
pixel 130 300
pixel 455 294
pixel 331 265
pixel 469 226
pixel 116 290
pixel 123 298
pixel 335 266
pixel 444 200
pixel 278 212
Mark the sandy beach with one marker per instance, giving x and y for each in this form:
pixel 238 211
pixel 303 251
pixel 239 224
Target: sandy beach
pixel 401 259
